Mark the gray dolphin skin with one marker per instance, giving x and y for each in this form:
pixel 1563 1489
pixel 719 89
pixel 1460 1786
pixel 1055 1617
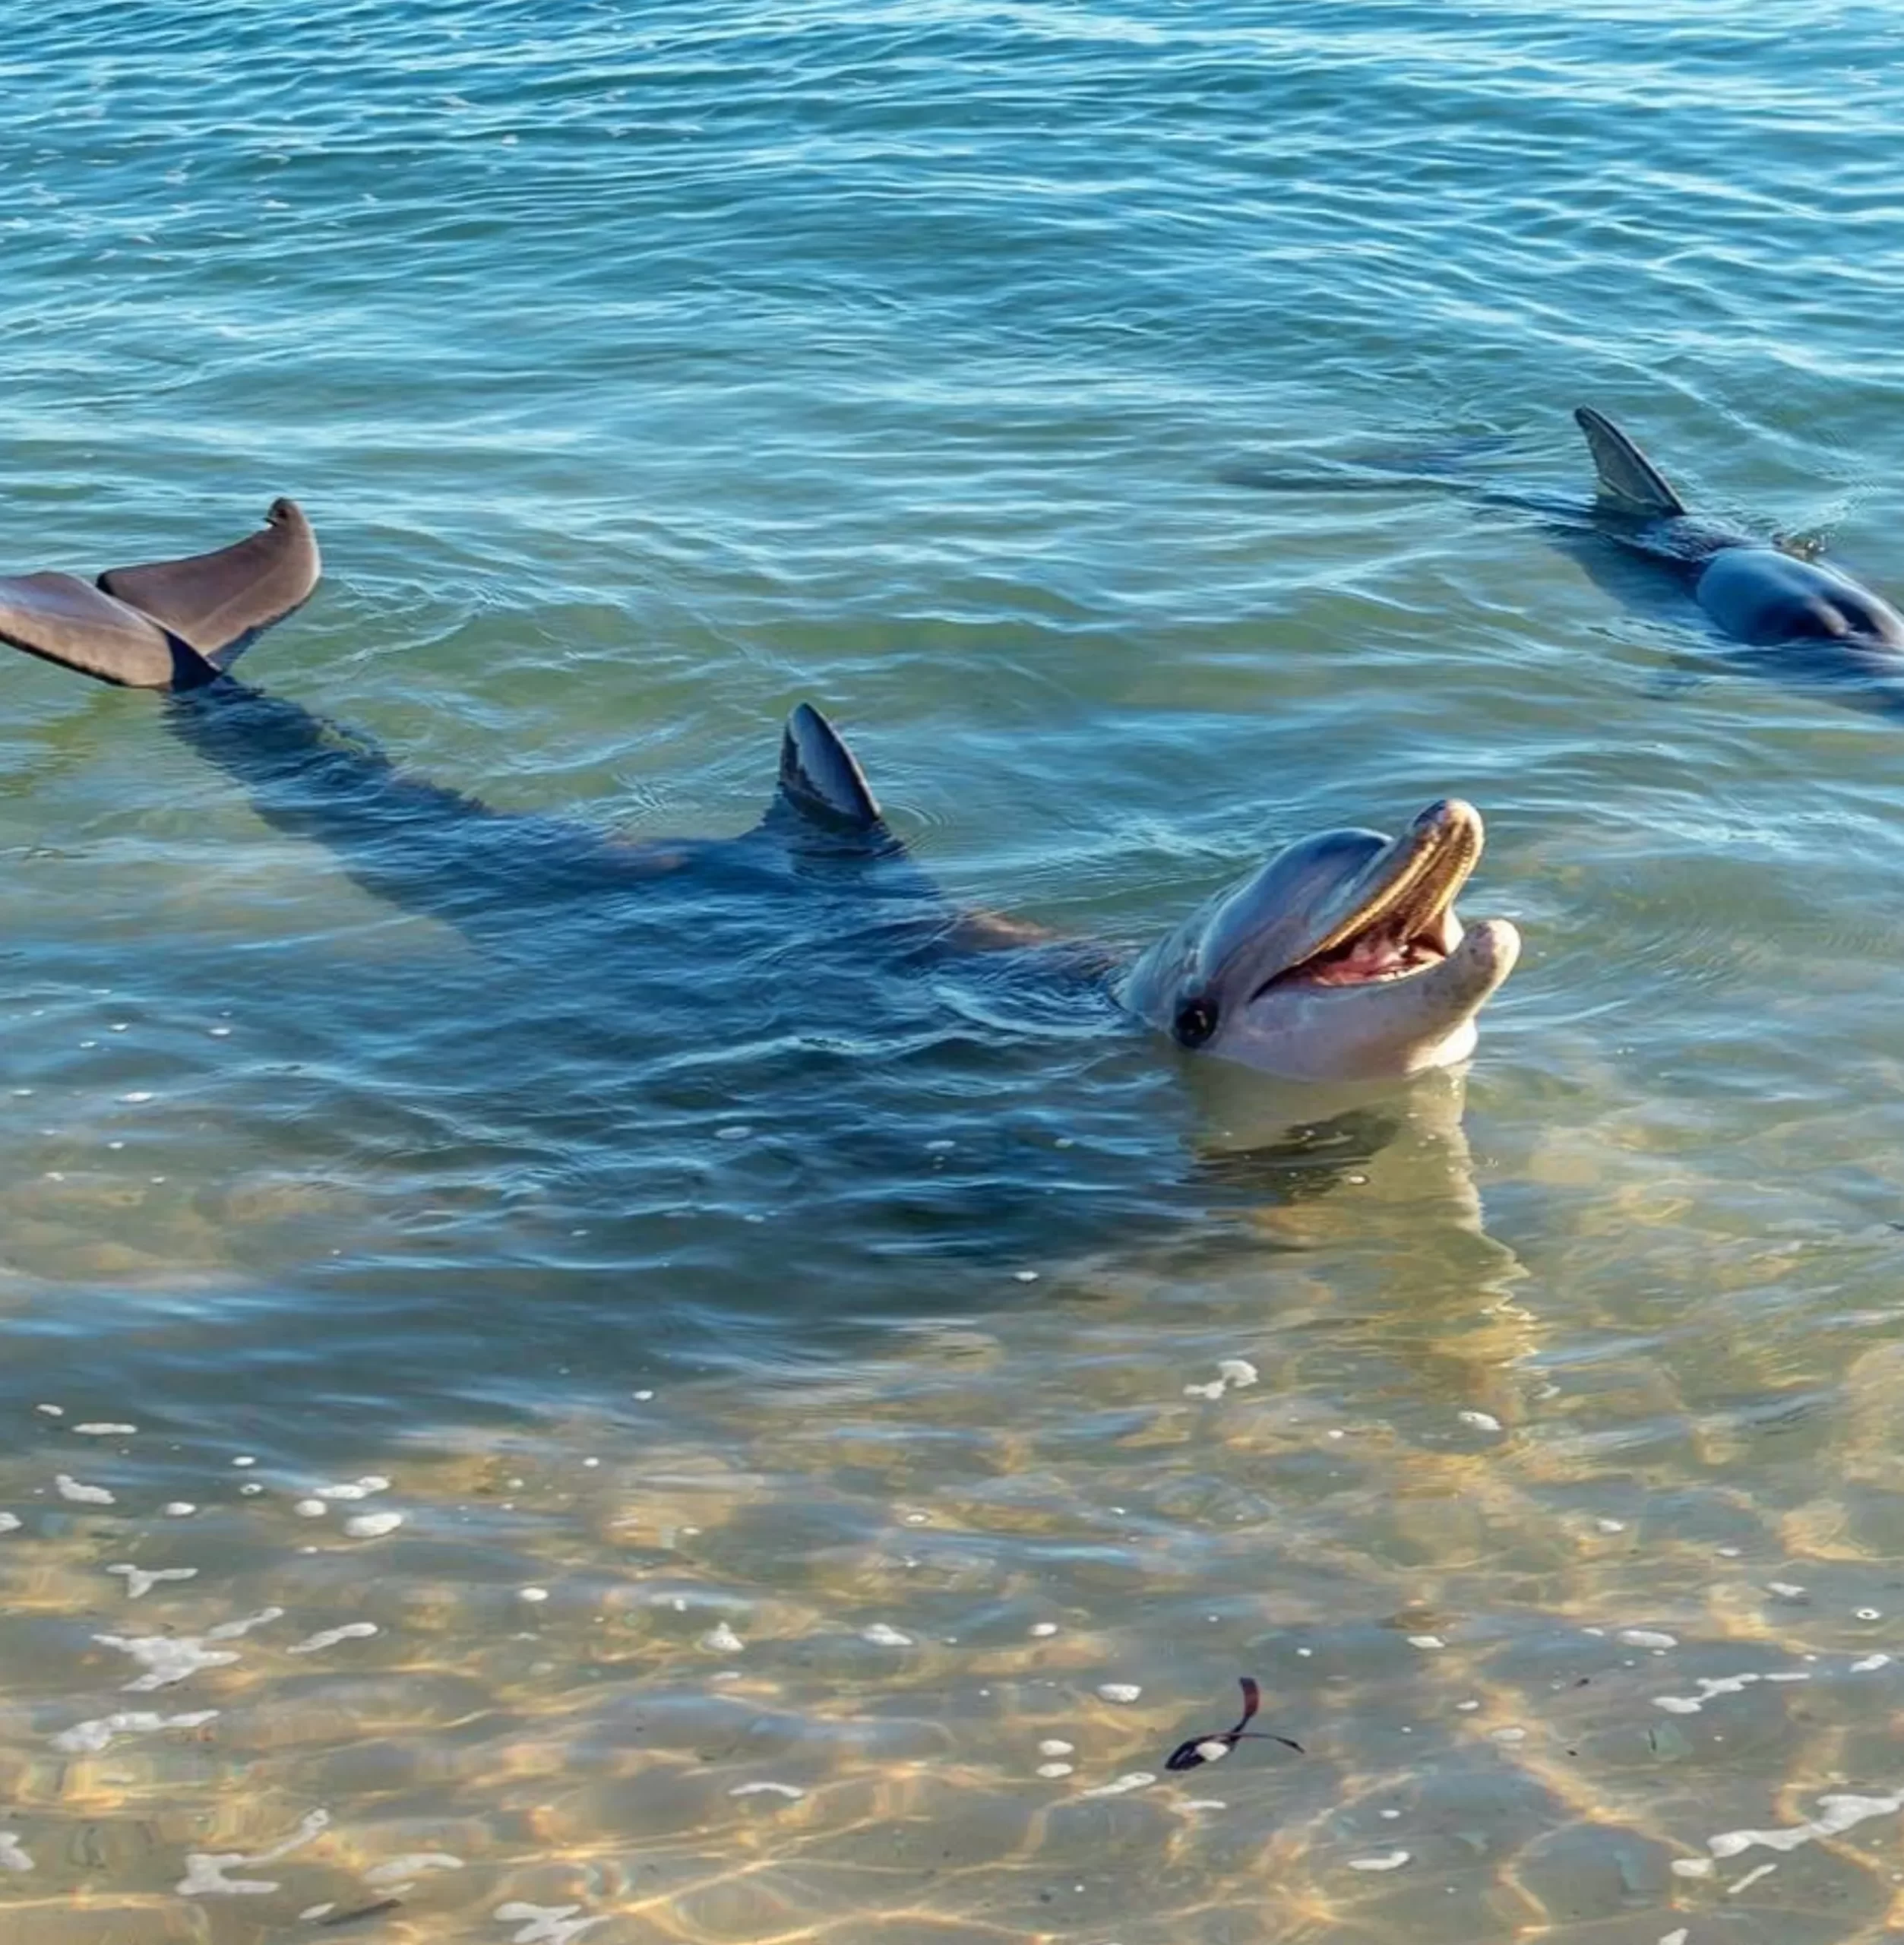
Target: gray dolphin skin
pixel 1340 960
pixel 1755 590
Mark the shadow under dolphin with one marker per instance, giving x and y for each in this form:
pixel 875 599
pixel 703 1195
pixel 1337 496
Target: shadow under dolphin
pixel 1794 616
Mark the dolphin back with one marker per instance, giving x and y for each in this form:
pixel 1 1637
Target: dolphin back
pixel 1626 474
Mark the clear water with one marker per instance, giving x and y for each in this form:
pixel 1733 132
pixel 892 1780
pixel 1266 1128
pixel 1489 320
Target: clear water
pixel 791 1361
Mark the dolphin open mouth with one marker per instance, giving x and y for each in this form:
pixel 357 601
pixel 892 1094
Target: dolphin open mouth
pixel 1405 924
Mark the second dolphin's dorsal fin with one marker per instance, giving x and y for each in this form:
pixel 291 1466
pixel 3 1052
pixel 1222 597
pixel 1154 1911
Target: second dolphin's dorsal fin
pixel 219 602
pixel 1625 473
pixel 62 619
pixel 820 778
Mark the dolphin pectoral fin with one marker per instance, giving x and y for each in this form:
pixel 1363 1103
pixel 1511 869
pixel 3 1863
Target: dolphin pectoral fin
pixel 1625 473
pixel 820 778
pixel 62 619
pixel 221 602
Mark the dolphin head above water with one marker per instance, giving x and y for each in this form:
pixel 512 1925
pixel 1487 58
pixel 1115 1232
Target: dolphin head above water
pixel 1340 960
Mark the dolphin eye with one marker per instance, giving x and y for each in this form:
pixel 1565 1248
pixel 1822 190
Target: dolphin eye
pixel 1195 1023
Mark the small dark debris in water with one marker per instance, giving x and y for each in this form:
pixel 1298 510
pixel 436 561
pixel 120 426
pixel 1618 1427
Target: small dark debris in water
pixel 362 1910
pixel 1189 1755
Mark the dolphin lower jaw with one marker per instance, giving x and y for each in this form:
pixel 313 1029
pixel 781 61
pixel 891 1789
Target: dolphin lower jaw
pixel 1377 1029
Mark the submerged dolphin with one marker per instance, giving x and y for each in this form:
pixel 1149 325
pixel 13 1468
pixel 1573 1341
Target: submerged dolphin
pixel 1758 589
pixel 1339 960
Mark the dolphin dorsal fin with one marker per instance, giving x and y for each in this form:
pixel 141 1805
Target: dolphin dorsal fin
pixel 221 602
pixel 1625 473
pixel 819 777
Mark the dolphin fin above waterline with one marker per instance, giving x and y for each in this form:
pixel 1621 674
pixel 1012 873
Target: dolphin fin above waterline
pixel 1625 473
pixel 821 778
pixel 166 624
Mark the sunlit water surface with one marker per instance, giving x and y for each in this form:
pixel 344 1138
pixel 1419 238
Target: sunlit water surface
pixel 685 1418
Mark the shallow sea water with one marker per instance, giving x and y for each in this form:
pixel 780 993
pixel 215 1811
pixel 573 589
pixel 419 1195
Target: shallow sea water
pixel 680 1420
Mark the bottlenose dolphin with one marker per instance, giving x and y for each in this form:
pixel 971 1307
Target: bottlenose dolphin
pixel 1341 960
pixel 1763 590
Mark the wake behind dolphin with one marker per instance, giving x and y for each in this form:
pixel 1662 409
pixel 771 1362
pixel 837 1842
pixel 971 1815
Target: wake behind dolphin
pixel 1340 960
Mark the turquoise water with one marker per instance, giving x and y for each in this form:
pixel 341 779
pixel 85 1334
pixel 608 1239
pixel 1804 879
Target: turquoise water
pixel 794 1385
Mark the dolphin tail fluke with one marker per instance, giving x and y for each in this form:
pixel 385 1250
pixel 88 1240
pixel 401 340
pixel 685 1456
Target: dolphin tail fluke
pixel 168 624
pixel 222 602
pixel 1626 474
pixel 820 778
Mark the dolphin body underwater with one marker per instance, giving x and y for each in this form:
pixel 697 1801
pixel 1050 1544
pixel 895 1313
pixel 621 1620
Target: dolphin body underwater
pixel 1341 960
pixel 1831 631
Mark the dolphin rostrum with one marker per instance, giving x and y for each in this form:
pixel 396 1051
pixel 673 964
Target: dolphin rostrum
pixel 1341 958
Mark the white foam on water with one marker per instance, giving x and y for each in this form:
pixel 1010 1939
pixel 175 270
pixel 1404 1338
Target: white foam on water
pixel 310 1509
pixel 401 1869
pixel 1750 1878
pixel 179 1508
pixel 205 1871
pixel 1054 1770
pixel 1709 1685
pixel 721 1639
pixel 1054 1745
pixel 166 1659
pixel 1788 1590
pixel 1481 1421
pixel 533 1594
pixel 169 1659
pixel 1692 1866
pixel 1648 1637
pixel 1611 1526
pixel 1674 1937
pixel 312 1913
pixel 51 1411
pixel 1043 1630
pixel 88 1738
pixel 1119 1691
pixel 140 1581
pixel 1836 1814
pixel 549 1925
pixel 1385 1860
pixel 1214 1388
pixel 9 1523
pixel 881 1635
pixel 1426 1641
pixel 12 1858
pixel 329 1637
pixel 1238 1372
pixel 99 1429
pixel 1869 1662
pixel 1132 1780
pixel 372 1525
pixel 787 1790
pixel 70 1488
